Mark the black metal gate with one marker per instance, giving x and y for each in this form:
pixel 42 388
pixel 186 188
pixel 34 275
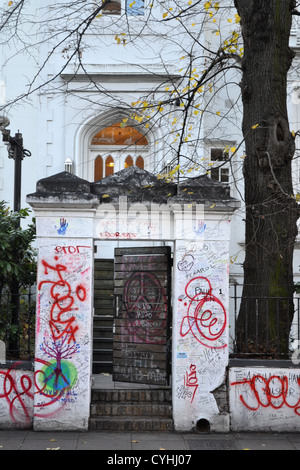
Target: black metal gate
pixel 142 323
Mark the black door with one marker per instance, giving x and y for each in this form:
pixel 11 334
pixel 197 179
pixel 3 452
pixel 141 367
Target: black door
pixel 141 340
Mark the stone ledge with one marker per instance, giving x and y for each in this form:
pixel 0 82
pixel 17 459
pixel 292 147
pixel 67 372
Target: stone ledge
pixel 274 363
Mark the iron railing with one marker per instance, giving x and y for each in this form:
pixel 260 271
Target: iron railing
pixel 25 330
pixel 267 337
pixel 20 334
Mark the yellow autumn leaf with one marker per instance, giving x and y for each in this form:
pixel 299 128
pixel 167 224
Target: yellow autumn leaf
pixel 255 126
pixel 105 195
pixel 174 171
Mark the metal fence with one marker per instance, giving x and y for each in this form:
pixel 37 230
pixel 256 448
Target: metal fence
pixel 23 334
pixel 18 334
pixel 264 342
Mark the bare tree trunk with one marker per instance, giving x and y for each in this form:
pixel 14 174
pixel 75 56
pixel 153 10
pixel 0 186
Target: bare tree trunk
pixel 271 210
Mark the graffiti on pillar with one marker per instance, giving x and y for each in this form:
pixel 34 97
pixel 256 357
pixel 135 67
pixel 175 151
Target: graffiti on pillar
pixel 191 380
pixel 64 287
pixel 205 315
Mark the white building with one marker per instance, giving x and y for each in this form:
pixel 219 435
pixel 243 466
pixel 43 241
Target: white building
pixel 94 95
pixel 69 85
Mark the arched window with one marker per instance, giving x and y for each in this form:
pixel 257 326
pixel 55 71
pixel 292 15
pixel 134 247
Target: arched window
pixel 140 162
pixel 128 161
pixel 118 135
pixel 115 147
pixel 109 166
pixel 98 168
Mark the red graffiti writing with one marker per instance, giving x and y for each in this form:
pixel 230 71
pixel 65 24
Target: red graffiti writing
pixel 206 316
pixel 18 394
pixel 61 319
pixel 274 392
pixel 146 306
pixel 70 249
pixel 191 380
pixel 117 235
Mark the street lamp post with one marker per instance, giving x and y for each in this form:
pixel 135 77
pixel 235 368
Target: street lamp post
pixel 17 153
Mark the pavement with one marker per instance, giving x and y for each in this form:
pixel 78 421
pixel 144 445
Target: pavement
pixel 115 445
pixel 152 448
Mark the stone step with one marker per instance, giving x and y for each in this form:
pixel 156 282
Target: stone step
pixel 100 367
pixel 131 410
pixel 133 395
pixel 131 424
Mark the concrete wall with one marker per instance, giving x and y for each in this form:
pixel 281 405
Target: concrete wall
pixel 63 334
pixel 200 328
pixel 16 395
pixel 264 397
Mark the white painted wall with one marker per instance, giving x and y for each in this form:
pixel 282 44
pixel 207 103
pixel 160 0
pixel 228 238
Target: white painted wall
pixel 264 399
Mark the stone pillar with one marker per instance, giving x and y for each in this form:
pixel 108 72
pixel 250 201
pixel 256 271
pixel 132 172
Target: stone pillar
pixel 63 357
pixel 200 324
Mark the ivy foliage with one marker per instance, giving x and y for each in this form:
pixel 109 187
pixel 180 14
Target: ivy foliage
pixel 17 256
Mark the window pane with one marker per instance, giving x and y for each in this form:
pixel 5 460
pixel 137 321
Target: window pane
pixel 134 7
pixel 118 135
pixel 98 168
pixel 140 162
pixel 214 173
pixel 112 8
pixel 218 155
pixel 128 161
pixel 224 175
pixel 109 166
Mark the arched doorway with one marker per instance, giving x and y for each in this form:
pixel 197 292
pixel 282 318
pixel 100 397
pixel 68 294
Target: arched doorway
pixel 116 147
